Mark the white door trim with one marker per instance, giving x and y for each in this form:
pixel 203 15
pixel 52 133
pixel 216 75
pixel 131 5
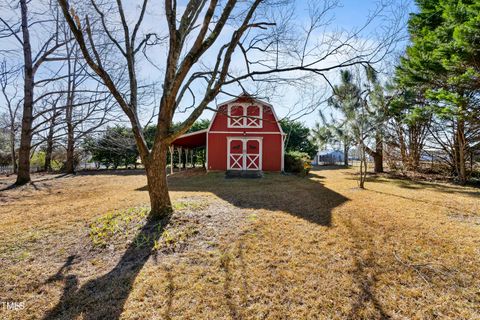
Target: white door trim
pixel 253 157
pixel 229 154
pixel 244 156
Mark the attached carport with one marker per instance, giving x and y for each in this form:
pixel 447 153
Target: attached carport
pixel 185 146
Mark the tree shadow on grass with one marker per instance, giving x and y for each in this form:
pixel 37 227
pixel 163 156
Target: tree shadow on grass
pixel 235 299
pixel 112 172
pixel 306 198
pixel 46 177
pixel 418 185
pixel 229 295
pixel 331 167
pixel 411 184
pixel 105 296
pixel 170 294
pixel 365 274
pixel 367 296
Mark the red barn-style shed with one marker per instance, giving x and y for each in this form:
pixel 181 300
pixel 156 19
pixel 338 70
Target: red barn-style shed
pixel 244 135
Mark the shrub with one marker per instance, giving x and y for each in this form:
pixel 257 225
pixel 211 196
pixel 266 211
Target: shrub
pixel 297 162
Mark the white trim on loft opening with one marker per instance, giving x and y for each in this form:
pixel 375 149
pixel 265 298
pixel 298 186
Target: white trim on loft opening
pixel 244 121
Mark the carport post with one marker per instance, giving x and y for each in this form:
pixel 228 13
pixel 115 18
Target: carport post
pixel 191 158
pixel 179 158
pixel 171 148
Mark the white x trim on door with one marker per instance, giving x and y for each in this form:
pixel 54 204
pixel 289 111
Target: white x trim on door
pixel 237 161
pixel 252 162
pixel 241 160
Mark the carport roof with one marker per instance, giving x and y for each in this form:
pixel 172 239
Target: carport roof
pixel 192 140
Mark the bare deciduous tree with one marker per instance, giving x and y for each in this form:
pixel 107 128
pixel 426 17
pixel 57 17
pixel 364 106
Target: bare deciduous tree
pixel 32 61
pixel 201 44
pixel 10 118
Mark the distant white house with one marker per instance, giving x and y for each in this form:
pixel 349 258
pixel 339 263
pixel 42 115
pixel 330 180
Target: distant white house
pixel 328 157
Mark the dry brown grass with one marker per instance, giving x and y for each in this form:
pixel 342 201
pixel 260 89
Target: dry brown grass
pixel 281 247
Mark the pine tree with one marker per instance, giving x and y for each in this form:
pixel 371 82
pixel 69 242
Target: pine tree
pixel 443 60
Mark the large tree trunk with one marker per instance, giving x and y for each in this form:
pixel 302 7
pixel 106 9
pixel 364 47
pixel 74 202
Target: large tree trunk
pixel 378 156
pixel 378 163
pixel 23 175
pixel 363 166
pixel 70 163
pixel 72 84
pixel 345 154
pixel 414 154
pixel 48 153
pixel 49 149
pixel 156 168
pixel 462 172
pixel 402 146
pixel 13 153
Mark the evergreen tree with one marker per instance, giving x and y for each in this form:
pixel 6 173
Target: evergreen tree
pixel 298 137
pixel 443 61
pixel 408 127
pixel 116 147
pixel 348 101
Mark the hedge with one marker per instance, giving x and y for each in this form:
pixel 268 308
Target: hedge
pixel 297 162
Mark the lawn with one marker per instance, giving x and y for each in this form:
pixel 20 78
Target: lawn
pixel 281 247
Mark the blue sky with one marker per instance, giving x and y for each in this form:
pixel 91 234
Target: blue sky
pixel 349 15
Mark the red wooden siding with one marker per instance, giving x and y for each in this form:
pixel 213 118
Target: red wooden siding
pixel 218 150
pixel 260 122
pixel 251 134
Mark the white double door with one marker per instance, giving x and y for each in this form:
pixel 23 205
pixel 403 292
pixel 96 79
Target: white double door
pixel 244 154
